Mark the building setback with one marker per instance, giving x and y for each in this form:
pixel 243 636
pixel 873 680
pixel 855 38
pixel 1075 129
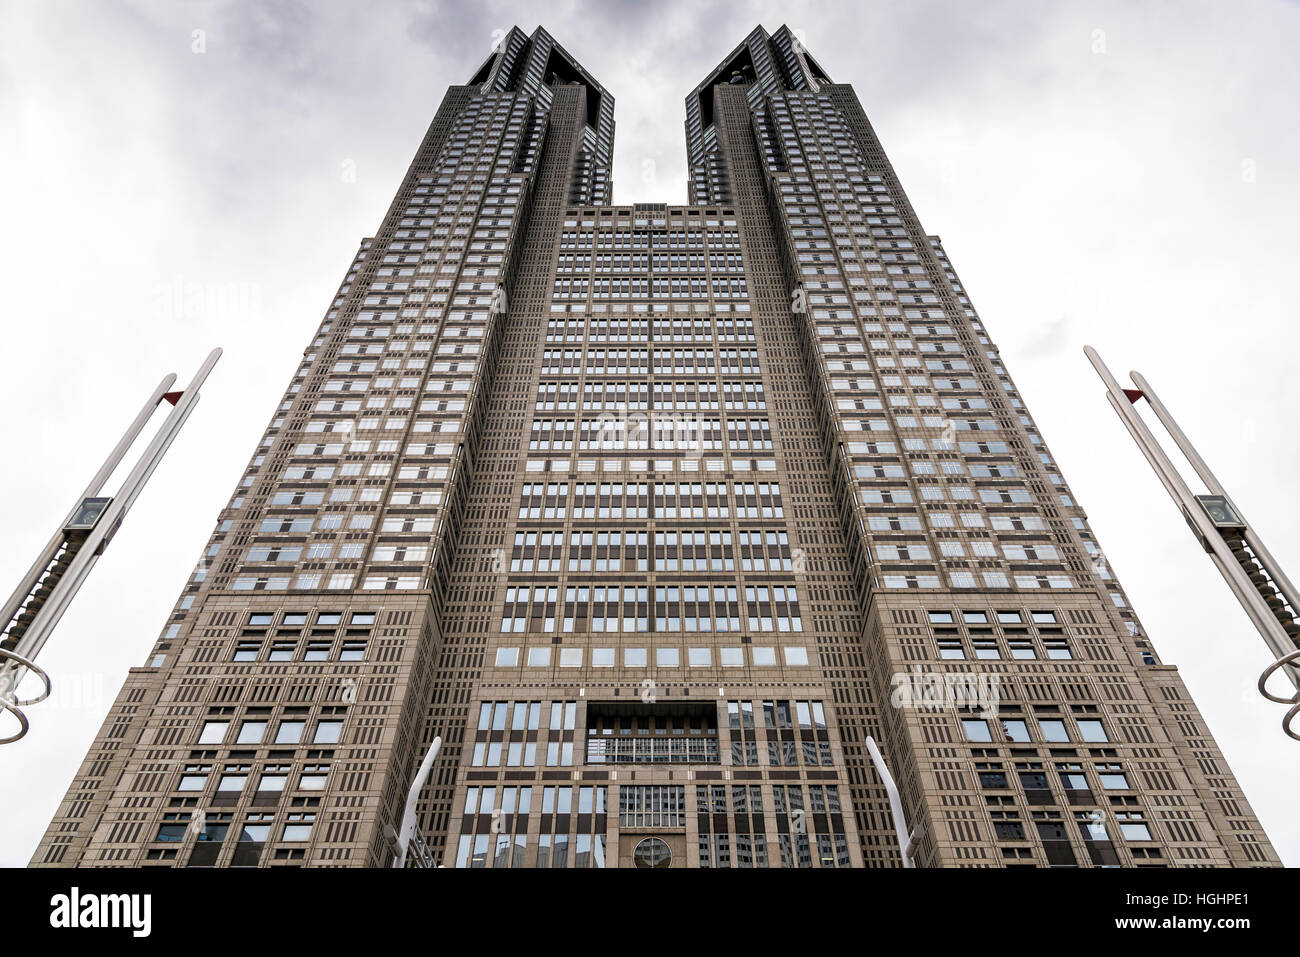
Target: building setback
pixel 653 514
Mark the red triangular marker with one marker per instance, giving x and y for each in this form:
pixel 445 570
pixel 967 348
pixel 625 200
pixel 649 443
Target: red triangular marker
pixel 173 397
pixel 1134 394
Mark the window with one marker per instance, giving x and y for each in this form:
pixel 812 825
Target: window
pixel 1014 729
pixel 1112 778
pixel 213 732
pixel 652 852
pixel 272 782
pixel 1132 825
pixel 651 806
pixel 328 732
pixel 290 731
pixel 699 657
pixel 254 831
pixel 172 830
pixel 1053 729
pixel 233 780
pixel 250 732
pixel 195 778
pixel 941 617
pixel 1092 730
pixel 976 730
pixel 507 657
pixel 299 826
pixel 313 777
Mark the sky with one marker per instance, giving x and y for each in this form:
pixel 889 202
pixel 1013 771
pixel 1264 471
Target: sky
pixel 180 175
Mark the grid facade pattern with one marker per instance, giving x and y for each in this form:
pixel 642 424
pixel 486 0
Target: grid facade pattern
pixel 653 514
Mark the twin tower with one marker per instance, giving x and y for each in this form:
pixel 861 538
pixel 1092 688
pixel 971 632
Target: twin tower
pixel 654 515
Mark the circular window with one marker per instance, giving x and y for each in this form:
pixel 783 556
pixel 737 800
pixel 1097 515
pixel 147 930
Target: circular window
pixel 652 852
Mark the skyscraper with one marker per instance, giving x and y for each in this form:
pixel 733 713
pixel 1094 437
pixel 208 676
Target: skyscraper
pixel 654 514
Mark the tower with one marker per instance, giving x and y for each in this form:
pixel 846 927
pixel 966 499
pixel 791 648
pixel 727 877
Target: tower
pixel 653 514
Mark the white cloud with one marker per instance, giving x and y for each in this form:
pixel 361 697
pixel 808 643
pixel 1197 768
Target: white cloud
pixel 1106 188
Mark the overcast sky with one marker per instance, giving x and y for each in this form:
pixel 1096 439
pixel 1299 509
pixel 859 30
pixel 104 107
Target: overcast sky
pixel 1120 174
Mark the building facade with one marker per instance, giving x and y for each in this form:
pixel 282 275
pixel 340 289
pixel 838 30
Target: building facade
pixel 653 514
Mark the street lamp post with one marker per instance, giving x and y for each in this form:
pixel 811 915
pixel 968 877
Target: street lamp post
pixel 54 578
pixel 1265 593
pixel 409 837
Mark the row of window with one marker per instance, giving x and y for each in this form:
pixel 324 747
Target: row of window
pixel 1048 730
pixel 289 731
pixel 759 657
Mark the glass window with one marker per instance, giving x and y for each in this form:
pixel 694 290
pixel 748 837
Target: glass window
pixel 297 832
pixel 171 833
pixel 328 732
pixel 1053 729
pixel 1014 729
pixel 667 657
pixel 213 732
pixel 1092 730
pixel 290 731
pixel 1134 830
pixel 976 730
pixel 272 782
pixel 255 833
pixel 250 732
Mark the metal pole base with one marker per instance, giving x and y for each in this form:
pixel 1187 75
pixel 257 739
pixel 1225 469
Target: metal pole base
pixel 10 678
